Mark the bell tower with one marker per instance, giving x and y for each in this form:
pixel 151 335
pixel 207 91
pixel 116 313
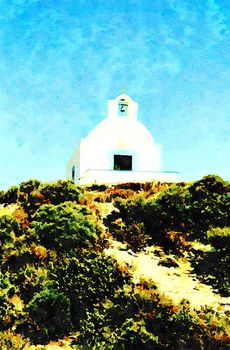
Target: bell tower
pixel 122 106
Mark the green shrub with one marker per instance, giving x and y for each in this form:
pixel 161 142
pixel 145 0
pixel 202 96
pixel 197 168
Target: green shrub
pixel 50 311
pixel 73 288
pixel 208 185
pixel 11 196
pixel 29 186
pixel 134 320
pixel 61 191
pixel 10 340
pixel 209 205
pixel 188 210
pixel 8 227
pixel 9 314
pixel 220 238
pixel 213 267
pixel 87 279
pixel 96 187
pixel 2 197
pixel 53 267
pixel 64 226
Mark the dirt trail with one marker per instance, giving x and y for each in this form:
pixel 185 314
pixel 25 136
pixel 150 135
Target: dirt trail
pixel 177 283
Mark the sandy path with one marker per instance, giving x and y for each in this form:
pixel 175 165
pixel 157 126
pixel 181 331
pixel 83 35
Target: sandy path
pixel 177 283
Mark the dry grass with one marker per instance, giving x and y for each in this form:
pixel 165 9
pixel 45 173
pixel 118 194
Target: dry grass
pixel 7 210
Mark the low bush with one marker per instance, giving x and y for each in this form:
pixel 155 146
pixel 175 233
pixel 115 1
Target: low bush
pixel 61 191
pixel 10 340
pixel 9 228
pixel 220 238
pixel 188 210
pixel 56 280
pixel 29 186
pixel 50 311
pixel 63 227
pixel 213 267
pixel 11 196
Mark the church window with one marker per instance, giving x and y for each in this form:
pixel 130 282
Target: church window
pixel 122 162
pixel 73 172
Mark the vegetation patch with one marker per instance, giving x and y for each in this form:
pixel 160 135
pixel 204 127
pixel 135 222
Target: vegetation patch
pixel 129 266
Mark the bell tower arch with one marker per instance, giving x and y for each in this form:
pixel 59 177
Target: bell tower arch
pixel 122 106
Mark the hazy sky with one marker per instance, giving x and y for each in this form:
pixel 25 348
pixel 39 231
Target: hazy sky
pixel 61 60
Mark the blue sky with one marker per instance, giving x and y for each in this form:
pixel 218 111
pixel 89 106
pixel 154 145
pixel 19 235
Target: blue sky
pixel 61 60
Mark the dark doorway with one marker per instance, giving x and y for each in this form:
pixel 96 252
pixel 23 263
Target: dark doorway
pixel 122 162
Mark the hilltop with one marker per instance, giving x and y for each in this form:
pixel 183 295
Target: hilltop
pixel 125 266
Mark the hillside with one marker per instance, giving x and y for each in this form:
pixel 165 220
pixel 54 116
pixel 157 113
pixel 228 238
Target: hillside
pixel 128 266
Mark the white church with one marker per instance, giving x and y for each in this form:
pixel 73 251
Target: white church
pixel 119 149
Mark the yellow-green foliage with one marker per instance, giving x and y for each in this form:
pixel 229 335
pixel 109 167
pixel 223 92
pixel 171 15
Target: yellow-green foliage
pixel 63 274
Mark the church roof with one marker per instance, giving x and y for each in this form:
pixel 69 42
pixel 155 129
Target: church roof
pixel 122 133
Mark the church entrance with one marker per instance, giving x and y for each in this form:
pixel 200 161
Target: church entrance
pixel 122 162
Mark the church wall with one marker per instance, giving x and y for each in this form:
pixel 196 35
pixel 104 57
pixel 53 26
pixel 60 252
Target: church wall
pixel 97 162
pixel 74 161
pixel 119 134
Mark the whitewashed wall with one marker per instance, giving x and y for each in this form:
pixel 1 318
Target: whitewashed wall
pixel 94 158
